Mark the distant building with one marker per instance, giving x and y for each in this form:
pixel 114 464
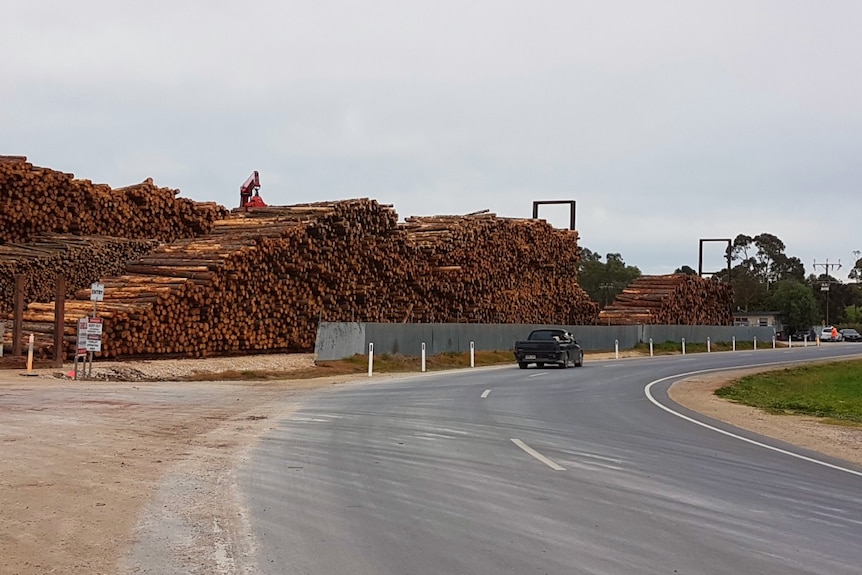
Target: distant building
pixel 759 318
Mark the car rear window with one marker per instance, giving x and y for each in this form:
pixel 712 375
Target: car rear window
pixel 544 334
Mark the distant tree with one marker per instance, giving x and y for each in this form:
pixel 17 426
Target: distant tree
pixel 796 302
pixel 762 263
pixel 685 270
pixel 763 255
pixel 603 281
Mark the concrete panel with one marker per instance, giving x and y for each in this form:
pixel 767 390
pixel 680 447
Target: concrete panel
pixel 336 340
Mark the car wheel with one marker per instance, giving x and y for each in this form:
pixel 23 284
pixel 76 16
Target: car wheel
pixel 522 364
pixel 580 362
pixel 565 363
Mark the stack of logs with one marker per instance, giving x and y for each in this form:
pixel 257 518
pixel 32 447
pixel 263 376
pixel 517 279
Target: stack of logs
pixel 80 260
pixel 671 299
pixel 36 200
pixel 263 279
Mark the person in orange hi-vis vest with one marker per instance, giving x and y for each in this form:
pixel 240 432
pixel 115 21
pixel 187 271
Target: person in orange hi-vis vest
pixel 834 333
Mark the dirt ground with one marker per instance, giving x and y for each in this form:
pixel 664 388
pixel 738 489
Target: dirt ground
pixel 134 477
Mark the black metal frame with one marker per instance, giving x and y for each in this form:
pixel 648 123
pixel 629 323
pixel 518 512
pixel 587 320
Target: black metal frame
pixel 572 209
pixel 728 255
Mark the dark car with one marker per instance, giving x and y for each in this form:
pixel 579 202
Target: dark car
pixel 803 334
pixel 850 334
pixel 543 346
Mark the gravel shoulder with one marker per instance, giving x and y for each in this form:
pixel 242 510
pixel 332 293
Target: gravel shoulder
pixel 135 477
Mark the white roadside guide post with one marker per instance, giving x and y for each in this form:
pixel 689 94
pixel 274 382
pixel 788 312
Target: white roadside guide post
pixel 683 346
pixel 2 336
pixel 423 357
pixel 733 339
pixel 773 342
pixel 370 359
pixel 472 354
pixel 708 346
pixel 755 343
pixel 616 349
pixel 650 347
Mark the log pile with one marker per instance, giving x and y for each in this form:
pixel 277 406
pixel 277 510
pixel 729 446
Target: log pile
pixel 36 200
pixel 81 260
pixel 261 280
pixel 671 299
pixel 485 269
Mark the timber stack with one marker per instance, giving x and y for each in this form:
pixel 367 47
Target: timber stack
pixel 36 200
pixel 261 280
pixel 80 260
pixel 671 299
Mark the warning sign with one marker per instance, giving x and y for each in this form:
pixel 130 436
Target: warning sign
pixel 89 334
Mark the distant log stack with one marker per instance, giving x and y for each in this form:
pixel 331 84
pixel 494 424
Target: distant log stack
pixel 81 260
pixel 262 280
pixel 35 201
pixel 671 299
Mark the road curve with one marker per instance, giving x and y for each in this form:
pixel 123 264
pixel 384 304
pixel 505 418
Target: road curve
pixel 552 471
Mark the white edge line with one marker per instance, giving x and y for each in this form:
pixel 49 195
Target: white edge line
pixel 538 374
pixel 648 392
pixel 538 455
pixel 486 393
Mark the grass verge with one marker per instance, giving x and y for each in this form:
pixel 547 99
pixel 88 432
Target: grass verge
pixel 832 391
pixel 383 363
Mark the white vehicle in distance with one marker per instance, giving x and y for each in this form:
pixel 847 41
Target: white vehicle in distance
pixel 829 333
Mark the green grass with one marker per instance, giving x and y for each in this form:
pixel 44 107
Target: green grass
pixel 675 347
pixel 383 363
pixel 832 391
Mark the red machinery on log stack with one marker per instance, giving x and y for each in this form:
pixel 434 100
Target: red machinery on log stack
pixel 249 193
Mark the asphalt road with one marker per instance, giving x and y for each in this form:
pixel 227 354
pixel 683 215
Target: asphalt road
pixel 546 471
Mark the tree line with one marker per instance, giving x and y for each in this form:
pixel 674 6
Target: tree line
pixel 763 276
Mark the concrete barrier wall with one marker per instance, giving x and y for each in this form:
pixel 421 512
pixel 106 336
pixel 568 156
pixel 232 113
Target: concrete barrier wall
pixel 340 340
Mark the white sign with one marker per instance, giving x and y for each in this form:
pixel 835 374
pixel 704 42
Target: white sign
pixel 97 292
pixel 89 334
pixel 824 287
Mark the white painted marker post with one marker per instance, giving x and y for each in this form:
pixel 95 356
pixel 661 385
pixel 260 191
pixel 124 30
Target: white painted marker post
pixel 773 342
pixel 733 339
pixel 708 346
pixel 683 346
pixel 30 356
pixel 472 354
pixel 616 349
pixel 370 359
pixel 423 357
pixel 755 343
pixel 650 347
pixel 790 342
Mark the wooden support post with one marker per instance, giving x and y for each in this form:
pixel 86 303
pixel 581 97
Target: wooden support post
pixel 18 317
pixel 59 324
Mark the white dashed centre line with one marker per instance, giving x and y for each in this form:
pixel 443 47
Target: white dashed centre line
pixel 550 463
pixel 486 393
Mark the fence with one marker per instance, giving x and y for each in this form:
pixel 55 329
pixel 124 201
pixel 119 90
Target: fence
pixel 337 340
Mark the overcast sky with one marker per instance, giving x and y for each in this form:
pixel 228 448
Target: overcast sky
pixel 666 121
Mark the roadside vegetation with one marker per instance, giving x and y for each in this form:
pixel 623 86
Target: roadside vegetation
pixel 832 391
pixel 383 363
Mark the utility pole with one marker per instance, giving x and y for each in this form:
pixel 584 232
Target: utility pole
pixel 858 270
pixel 825 287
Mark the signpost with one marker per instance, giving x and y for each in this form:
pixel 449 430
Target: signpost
pixel 90 331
